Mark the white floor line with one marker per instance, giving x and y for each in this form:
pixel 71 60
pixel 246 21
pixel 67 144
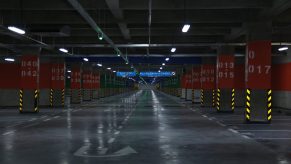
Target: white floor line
pixel 264 130
pixel 117 132
pixel 9 132
pixel 27 126
pixel 111 140
pixel 46 119
pixel 221 124
pixel 232 130
pixel 32 119
pixel 272 138
pixel 246 137
pixel 56 116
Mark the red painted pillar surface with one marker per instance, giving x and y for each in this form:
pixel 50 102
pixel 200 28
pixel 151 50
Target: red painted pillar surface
pixel 29 84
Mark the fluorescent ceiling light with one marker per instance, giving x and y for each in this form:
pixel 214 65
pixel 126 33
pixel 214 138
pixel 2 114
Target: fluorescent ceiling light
pixel 114 71
pixel 167 59
pixel 100 36
pixel 99 65
pixel 173 49
pixel 68 77
pixel 17 30
pixel 64 50
pixel 283 49
pixel 185 28
pixel 9 59
pixel 69 71
pixel 159 71
pixel 109 68
pixel 161 67
pixel 85 59
pixel 163 64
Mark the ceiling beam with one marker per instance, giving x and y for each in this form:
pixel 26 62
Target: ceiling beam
pixel 279 6
pixel 113 5
pixel 205 4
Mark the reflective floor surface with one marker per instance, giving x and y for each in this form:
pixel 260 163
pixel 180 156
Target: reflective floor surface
pixel 145 127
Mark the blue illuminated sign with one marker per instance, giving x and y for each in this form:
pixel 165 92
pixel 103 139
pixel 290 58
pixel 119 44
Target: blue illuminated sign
pixel 146 74
pixel 157 74
pixel 125 74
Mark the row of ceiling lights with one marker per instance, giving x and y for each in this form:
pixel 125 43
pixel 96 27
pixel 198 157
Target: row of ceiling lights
pixel 167 59
pixel 22 32
pixel 185 29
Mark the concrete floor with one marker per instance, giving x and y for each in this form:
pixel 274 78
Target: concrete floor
pixel 140 128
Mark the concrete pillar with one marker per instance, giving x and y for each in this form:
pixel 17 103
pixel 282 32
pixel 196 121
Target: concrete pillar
pixel 196 84
pixel 189 85
pixel 239 76
pixel 102 85
pixel 44 81
pixel 9 83
pixel 57 90
pixel 258 73
pixel 87 84
pixel 183 87
pixel 208 86
pixel 96 84
pixel 225 93
pixel 29 81
pixel 281 82
pixel 76 97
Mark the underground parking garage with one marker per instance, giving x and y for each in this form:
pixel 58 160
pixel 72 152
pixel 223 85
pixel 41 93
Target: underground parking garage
pixel 147 81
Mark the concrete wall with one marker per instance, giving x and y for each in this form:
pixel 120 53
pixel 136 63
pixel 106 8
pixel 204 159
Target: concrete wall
pixel 189 95
pixel 282 99
pixel 9 97
pixel 281 94
pixel 44 97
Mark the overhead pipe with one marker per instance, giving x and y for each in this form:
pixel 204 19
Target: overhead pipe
pixel 144 45
pixel 78 7
pixel 38 43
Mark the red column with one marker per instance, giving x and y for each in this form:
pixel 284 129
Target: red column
pixel 87 80
pixel 258 65
pixel 225 72
pixel 76 84
pixel 196 83
pixel 208 76
pixel 29 83
pixel 57 92
pixel 258 79
pixel 76 78
pixel 208 85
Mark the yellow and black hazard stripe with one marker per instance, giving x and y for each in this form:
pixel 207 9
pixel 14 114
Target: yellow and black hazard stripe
pixel 79 94
pixel 193 96
pixel 248 105
pixel 232 99
pixel 63 97
pixel 202 97
pixel 20 100
pixel 213 98
pixel 36 95
pixel 218 100
pixel 51 97
pixel 269 104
